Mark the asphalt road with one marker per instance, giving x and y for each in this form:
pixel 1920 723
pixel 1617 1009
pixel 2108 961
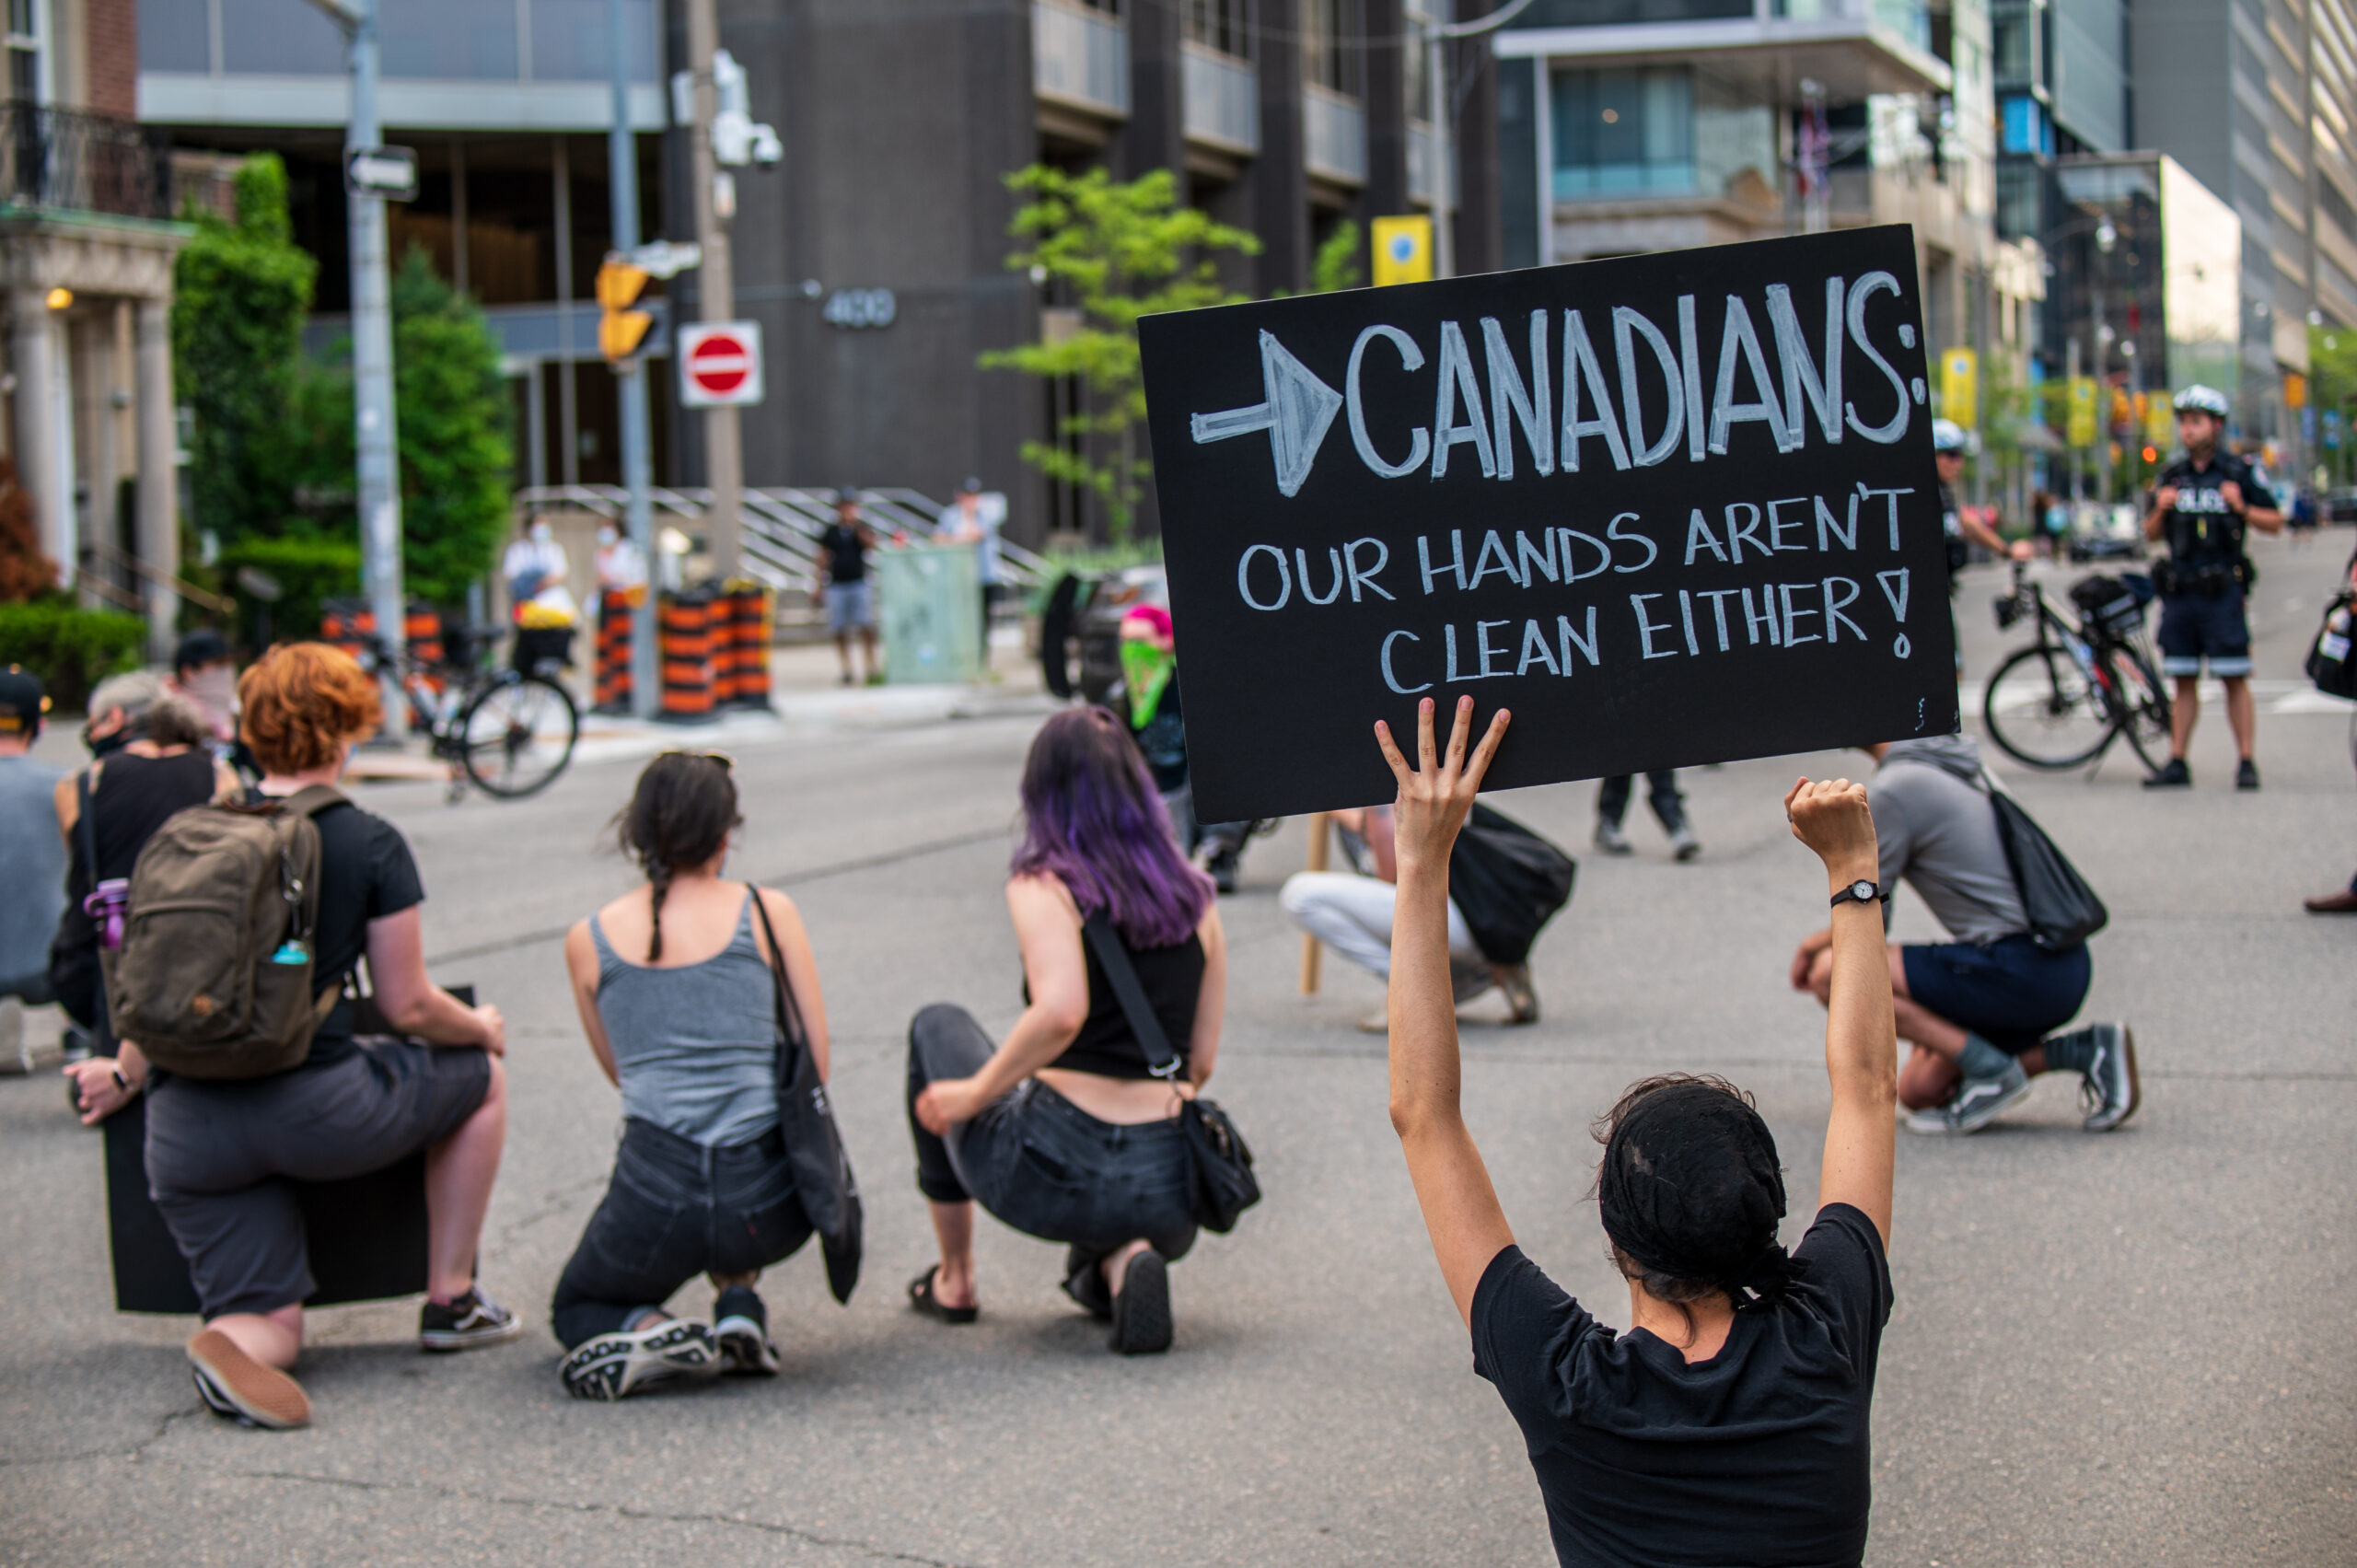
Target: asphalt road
pixel 2106 1349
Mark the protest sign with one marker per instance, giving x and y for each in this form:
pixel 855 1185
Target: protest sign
pixel 1670 509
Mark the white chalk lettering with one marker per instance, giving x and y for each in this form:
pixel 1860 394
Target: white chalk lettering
pixel 1689 346
pixel 1536 651
pixel 1725 412
pixel 1776 526
pixel 1890 499
pixel 1574 640
pixel 1686 613
pixel 1792 614
pixel 1834 619
pixel 1448 640
pixel 1455 569
pixel 1653 551
pixel 1699 536
pixel 1645 629
pixel 1603 555
pixel 1896 426
pixel 1243 576
pixel 1301 565
pixel 1752 622
pixel 1482 646
pixel 1411 358
pixel 1718 598
pixel 1746 529
pixel 1527 556
pixel 1897 594
pixel 1492 545
pixel 1626 321
pixel 1456 381
pixel 1365 578
pixel 1509 403
pixel 1581 368
pixel 1801 379
pixel 1392 681
pixel 1825 525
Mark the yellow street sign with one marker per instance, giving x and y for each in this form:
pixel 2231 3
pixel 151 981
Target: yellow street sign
pixel 1404 250
pixel 620 329
pixel 1960 387
pixel 2079 425
pixel 2296 390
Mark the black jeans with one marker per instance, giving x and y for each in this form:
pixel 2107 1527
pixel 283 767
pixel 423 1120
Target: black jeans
pixel 1042 1164
pixel 676 1209
pixel 1612 799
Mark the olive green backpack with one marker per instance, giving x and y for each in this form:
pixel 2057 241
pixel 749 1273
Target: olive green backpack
pixel 214 976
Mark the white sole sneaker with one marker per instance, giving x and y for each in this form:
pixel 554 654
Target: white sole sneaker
pixel 744 1348
pixel 1977 1103
pixel 2113 1078
pixel 607 1367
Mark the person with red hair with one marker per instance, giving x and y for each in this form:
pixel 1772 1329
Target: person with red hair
pixel 223 1156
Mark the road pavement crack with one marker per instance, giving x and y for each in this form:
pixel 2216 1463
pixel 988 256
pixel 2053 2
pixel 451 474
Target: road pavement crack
pixel 615 1510
pixel 808 874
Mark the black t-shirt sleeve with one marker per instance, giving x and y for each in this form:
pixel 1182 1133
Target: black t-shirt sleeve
pixel 393 882
pixel 2255 490
pixel 1526 1327
pixel 1850 1279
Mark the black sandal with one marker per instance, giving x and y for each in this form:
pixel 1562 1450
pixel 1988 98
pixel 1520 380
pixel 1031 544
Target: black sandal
pixel 920 1296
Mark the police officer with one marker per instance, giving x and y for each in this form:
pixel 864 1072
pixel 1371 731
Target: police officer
pixel 1961 527
pixel 2205 502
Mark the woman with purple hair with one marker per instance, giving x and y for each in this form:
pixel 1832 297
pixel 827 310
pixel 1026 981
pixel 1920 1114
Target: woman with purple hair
pixel 1064 1130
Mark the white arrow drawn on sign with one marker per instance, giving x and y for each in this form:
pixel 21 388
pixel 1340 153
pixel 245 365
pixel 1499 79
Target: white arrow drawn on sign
pixel 1298 411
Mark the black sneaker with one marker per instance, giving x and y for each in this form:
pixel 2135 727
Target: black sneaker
pixel 1141 1312
pixel 741 1329
pixel 607 1367
pixel 2109 1092
pixel 472 1320
pixel 2176 775
pixel 2247 775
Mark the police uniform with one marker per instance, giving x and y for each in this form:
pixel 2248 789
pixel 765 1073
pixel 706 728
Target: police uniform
pixel 2202 607
pixel 1952 536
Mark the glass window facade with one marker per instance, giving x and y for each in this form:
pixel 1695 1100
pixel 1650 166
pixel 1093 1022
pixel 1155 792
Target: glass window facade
pixel 1626 132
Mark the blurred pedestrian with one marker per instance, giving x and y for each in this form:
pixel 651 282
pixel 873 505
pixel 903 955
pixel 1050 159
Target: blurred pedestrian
pixel 1731 1424
pixel 1067 1129
pixel 687 1028
pixel 2345 901
pixel 1149 700
pixel 842 585
pixel 32 864
pixel 1668 807
pixel 534 564
pixel 205 674
pixel 974 518
pixel 222 1154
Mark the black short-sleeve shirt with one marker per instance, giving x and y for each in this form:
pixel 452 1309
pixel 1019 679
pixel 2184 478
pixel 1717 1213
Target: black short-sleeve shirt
pixel 1758 1455
pixel 365 872
pixel 2201 529
pixel 846 553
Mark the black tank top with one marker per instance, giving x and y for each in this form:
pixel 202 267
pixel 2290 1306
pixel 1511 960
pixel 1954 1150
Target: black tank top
pixel 134 797
pixel 1172 978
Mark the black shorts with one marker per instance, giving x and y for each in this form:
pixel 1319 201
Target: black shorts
pixel 220 1156
pixel 2198 627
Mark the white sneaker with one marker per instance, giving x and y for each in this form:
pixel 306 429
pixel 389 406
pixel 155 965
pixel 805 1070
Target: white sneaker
pixel 1976 1103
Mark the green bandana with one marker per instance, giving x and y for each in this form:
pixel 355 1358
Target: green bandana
pixel 1146 671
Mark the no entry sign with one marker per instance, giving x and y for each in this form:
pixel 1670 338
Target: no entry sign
pixel 720 363
pixel 1672 509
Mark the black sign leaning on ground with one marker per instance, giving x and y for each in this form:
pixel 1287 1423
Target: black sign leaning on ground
pixel 1670 509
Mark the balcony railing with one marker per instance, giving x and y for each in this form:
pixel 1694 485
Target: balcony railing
pixel 66 160
pixel 1223 100
pixel 1080 56
pixel 1336 128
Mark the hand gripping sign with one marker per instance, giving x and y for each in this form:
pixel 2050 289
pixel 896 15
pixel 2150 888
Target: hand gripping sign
pixel 1670 509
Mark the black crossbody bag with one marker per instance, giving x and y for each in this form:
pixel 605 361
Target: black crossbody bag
pixel 1225 1185
pixel 814 1145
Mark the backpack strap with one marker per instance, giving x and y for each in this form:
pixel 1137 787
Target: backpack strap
pixel 86 829
pixel 1114 959
pixel 312 800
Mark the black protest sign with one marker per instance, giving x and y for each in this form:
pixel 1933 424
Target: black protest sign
pixel 1670 509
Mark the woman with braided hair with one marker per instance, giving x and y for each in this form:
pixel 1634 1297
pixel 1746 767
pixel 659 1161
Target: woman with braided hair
pixel 674 984
pixel 1730 1423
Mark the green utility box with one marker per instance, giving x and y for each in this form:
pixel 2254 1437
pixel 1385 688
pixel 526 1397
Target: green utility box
pixel 929 606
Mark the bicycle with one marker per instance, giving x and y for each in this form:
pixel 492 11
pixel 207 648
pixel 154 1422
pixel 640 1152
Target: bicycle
pixel 510 732
pixel 2085 682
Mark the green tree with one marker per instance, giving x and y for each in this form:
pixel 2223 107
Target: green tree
pixel 1336 266
pixel 1120 250
pixel 2332 388
pixel 453 422
pixel 241 291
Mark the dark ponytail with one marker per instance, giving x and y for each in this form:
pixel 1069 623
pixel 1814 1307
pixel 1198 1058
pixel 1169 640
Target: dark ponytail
pixel 680 816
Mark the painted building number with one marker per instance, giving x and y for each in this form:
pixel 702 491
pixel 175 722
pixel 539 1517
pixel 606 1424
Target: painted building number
pixel 851 308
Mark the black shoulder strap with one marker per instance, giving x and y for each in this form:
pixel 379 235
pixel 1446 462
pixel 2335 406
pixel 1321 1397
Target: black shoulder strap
pixel 1114 959
pixel 789 1016
pixel 86 829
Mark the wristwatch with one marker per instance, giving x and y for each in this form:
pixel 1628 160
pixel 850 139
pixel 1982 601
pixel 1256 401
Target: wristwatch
pixel 1862 891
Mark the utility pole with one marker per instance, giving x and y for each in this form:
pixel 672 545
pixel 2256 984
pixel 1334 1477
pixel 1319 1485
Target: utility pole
pixel 372 354
pixel 716 290
pixel 2106 237
pixel 1436 98
pixel 622 179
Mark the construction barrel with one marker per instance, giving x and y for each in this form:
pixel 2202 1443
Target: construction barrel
pixel 685 622
pixel 617 607
pixel 752 613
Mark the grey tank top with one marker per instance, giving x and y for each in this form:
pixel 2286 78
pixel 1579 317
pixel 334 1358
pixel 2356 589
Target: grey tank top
pixel 696 1046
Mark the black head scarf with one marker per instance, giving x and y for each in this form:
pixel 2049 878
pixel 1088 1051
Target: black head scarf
pixel 1691 1189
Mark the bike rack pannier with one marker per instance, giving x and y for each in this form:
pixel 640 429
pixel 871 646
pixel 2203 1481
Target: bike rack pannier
pixel 2115 605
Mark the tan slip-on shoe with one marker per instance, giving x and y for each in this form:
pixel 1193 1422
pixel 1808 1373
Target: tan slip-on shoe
pixel 235 1385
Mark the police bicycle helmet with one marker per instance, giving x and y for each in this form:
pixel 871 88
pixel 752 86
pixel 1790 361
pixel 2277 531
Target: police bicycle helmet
pixel 1947 436
pixel 2199 399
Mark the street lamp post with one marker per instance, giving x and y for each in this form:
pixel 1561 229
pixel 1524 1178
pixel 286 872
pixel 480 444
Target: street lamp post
pixel 1434 32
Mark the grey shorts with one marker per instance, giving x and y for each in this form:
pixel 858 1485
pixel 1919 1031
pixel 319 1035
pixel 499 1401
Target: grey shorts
pixel 849 606
pixel 220 1156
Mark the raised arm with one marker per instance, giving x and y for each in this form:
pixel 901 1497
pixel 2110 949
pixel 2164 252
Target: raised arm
pixel 1860 1040
pixel 1461 1212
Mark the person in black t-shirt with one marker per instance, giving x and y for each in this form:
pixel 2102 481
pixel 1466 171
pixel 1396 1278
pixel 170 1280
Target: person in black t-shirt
pixel 221 1155
pixel 2205 503
pixel 843 588
pixel 1730 1423
pixel 1963 526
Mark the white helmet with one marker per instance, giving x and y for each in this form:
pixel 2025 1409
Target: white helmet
pixel 1947 436
pixel 2199 399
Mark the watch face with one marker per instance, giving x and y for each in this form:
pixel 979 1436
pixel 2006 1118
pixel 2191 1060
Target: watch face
pixel 1863 891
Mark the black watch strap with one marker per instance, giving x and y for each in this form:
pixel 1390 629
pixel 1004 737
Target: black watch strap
pixel 1862 891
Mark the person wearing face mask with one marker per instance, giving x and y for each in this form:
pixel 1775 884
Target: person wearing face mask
pixel 206 676
pixel 621 569
pixel 32 864
pixel 1149 701
pixel 533 564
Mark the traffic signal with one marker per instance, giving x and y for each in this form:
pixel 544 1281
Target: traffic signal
pixel 620 329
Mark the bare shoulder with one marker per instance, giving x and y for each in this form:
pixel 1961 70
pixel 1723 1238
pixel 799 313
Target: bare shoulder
pixel 1036 890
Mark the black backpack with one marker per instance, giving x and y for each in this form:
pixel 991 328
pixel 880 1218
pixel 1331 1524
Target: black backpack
pixel 1507 882
pixel 2329 666
pixel 2063 911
